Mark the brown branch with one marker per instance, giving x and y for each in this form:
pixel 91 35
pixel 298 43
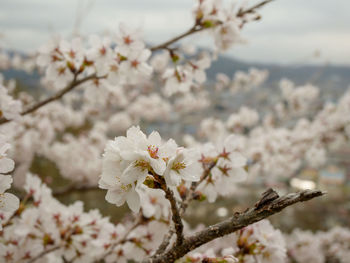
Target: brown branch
pixel 139 221
pixel 236 222
pixel 165 243
pixel 166 44
pixel 252 9
pixel 176 217
pixel 189 197
pixel 74 83
pixel 43 254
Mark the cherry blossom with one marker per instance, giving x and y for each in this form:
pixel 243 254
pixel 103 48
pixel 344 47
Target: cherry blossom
pixel 9 108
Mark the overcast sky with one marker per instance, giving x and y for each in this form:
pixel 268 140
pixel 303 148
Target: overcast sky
pixel 290 31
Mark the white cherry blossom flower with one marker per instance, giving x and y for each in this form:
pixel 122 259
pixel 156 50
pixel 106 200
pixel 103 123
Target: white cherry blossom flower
pixel 183 166
pixel 129 160
pixel 10 109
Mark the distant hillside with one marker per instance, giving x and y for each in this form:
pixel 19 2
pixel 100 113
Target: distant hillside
pixel 298 73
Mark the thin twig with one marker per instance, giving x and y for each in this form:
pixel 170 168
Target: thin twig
pixel 197 27
pixel 74 83
pixel 125 239
pixel 189 197
pixel 166 44
pixel 43 254
pixel 176 217
pixel 253 8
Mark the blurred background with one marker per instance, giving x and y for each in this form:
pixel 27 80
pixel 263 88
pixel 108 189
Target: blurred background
pixel 305 41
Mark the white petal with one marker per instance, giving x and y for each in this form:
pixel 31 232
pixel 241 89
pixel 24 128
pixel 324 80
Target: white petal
pixel 5 182
pixel 154 138
pixel 158 165
pixel 168 149
pixel 133 200
pixel 132 174
pixel 6 165
pixel 191 173
pixel 9 202
pixel 115 197
pixel 238 174
pixel 237 159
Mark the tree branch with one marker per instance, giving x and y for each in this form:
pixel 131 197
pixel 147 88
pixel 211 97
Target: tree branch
pixel 236 222
pixel 176 217
pixel 139 221
pixel 189 197
pixel 253 8
pixel 43 254
pixel 75 83
pixel 197 27
pixel 165 45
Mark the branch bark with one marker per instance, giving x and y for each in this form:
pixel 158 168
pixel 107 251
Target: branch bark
pixel 176 217
pixel 236 222
pixel 253 8
pixel 166 44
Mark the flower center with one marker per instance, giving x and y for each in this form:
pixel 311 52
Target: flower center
pixel 135 63
pixel 153 151
pixel 142 164
pixel 126 188
pixel 128 40
pixel 178 166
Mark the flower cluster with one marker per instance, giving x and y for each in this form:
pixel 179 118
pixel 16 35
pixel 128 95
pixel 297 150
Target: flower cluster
pixel 332 245
pixel 277 151
pixel 100 87
pixel 136 160
pixel 224 167
pixel 296 99
pixel 10 109
pixel 130 161
pixel 123 59
pixel 8 202
pixel 259 242
pixel 241 81
pixel 69 233
pixel 223 22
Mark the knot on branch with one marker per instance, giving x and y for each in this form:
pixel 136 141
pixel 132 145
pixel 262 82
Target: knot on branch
pixel 267 198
